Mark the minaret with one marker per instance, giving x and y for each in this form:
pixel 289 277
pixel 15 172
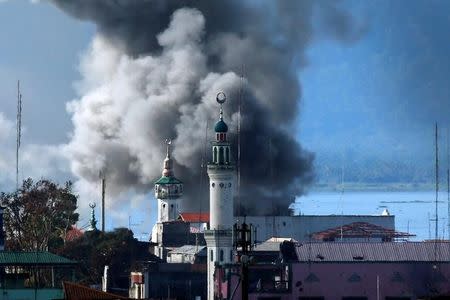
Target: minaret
pixel 221 174
pixel 168 191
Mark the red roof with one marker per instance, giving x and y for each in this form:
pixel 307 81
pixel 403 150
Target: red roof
pixel 73 234
pixel 77 291
pixel 194 217
pixel 359 230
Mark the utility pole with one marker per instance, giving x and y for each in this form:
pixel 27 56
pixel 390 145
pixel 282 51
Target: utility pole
pixel 243 240
pixel 19 131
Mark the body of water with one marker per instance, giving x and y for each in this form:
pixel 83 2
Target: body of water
pixel 414 210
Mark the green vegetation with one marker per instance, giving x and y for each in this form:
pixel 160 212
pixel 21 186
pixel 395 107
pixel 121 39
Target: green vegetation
pixel 38 215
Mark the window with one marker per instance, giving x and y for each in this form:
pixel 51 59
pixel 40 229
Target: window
pixel 227 155
pixel 211 255
pixel 215 155
pixel 221 255
pixel 221 158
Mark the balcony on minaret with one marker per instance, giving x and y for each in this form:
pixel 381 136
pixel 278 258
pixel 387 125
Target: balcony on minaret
pixel 168 188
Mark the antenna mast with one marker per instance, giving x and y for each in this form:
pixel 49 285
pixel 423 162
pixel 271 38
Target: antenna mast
pixel 448 184
pixel 239 142
pixel 102 177
pixel 19 131
pixel 437 189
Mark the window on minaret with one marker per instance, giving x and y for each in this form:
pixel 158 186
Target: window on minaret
pixel 227 155
pixel 215 155
pixel 221 158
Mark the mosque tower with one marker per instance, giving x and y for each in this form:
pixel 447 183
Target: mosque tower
pixel 168 191
pixel 221 172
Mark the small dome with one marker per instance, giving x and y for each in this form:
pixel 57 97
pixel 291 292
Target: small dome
pixel 221 126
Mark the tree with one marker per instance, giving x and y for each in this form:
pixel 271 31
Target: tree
pixel 38 215
pixel 117 249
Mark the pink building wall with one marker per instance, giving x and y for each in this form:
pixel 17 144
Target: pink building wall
pixel 337 280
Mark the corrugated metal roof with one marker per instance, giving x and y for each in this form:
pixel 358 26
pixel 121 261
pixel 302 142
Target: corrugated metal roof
pixel 272 244
pixel 189 249
pixel 372 252
pixel 359 229
pixel 8 258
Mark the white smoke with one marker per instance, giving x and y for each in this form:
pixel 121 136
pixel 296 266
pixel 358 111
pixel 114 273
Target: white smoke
pixel 128 106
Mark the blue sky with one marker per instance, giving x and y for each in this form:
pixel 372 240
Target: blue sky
pixel 375 97
pixel 381 95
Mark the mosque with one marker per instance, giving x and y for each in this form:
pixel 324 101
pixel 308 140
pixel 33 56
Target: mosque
pixel 175 228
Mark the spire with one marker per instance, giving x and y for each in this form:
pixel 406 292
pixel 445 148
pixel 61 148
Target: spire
pixel 167 171
pixel 93 221
pixel 221 126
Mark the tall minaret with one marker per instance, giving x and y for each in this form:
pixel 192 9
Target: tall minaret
pixel 168 191
pixel 221 174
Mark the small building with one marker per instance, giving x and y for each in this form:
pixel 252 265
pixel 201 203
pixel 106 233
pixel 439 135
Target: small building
pixel 169 281
pixel 188 254
pixel 33 275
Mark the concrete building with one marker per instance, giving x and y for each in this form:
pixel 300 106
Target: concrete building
pixel 188 254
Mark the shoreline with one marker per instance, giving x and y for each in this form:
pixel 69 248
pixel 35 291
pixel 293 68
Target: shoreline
pixel 373 187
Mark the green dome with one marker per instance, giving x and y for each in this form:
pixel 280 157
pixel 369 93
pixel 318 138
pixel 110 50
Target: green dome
pixel 221 126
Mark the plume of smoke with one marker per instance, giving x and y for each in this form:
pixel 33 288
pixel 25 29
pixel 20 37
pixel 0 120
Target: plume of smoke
pixel 153 71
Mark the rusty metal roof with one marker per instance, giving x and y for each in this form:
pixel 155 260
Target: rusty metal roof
pixel 359 230
pixel 374 252
pixel 77 291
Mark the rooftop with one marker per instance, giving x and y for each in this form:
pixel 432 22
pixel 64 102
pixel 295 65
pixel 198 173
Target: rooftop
pixel 194 217
pixel 77 291
pixel 374 252
pixel 272 244
pixel 41 258
pixel 359 230
pixel 168 180
pixel 190 249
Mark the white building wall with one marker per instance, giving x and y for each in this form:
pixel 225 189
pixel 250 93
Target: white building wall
pixel 221 191
pixel 168 209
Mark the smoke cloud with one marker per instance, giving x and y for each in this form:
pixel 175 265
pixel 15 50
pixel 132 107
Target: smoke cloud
pixel 153 70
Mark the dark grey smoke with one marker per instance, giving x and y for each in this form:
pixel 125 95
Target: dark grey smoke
pixel 265 39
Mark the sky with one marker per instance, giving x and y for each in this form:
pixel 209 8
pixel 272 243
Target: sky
pixel 368 99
